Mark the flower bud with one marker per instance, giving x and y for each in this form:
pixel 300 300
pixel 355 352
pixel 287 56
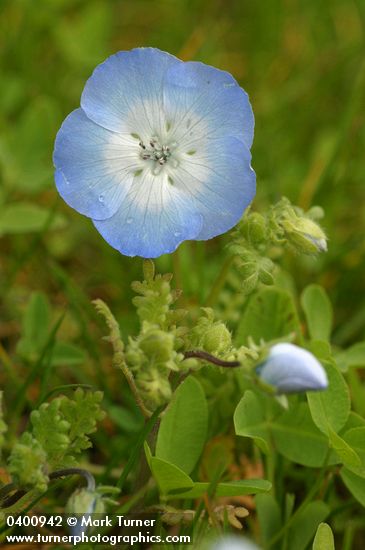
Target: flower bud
pixel 158 345
pixel 154 388
pixel 305 235
pixel 254 228
pixel 290 369
pixel 217 338
pixel 85 502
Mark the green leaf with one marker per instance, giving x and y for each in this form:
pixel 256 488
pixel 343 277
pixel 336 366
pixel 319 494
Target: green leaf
pixel 169 478
pixel 35 326
pixel 347 454
pixel 62 426
pixel 355 439
pixel 229 488
pixel 305 525
pixel 250 420
pixel 183 428
pixel 356 386
pixel 269 515
pixel 318 311
pixel 330 408
pixel 28 463
pixel 82 413
pixel 65 354
pixel 23 217
pixel 324 538
pixel 354 421
pixel 297 438
pixel 352 357
pixel 355 484
pixel 270 314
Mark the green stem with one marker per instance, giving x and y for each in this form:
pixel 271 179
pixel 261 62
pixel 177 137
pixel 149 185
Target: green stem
pixel 118 353
pixel 315 488
pixel 149 425
pixel 130 379
pixel 219 282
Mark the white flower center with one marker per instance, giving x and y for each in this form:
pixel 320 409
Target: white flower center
pixel 155 151
pixel 158 155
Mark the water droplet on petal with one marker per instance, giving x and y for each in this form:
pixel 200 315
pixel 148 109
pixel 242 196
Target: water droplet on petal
pixel 177 233
pixel 101 198
pixel 129 221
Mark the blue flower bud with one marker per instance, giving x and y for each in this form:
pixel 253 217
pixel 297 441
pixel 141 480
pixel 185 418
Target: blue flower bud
pixel 290 369
pixel 83 502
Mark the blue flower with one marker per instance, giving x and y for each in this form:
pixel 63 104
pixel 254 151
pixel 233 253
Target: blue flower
pixel 291 369
pixel 158 153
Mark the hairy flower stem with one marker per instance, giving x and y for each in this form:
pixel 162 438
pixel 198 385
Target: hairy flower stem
pixel 130 379
pixel 118 353
pixel 219 282
pixel 75 471
pixel 200 354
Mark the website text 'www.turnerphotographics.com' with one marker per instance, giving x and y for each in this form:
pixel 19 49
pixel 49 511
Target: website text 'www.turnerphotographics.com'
pixel 90 529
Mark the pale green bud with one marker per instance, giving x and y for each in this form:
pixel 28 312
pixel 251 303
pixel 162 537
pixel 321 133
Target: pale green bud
pixel 157 345
pixel 266 277
pixel 133 357
pixel 250 283
pixel 155 389
pixel 217 338
pixel 254 228
pixel 190 364
pixel 305 235
pixel 248 269
pixel 84 501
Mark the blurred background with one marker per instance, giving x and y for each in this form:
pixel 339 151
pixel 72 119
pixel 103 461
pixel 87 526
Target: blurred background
pixel 302 63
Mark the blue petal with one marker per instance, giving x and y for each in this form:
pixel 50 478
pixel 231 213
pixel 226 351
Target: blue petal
pixel 220 181
pixel 154 219
pixel 292 369
pixel 212 95
pixel 94 167
pixel 124 94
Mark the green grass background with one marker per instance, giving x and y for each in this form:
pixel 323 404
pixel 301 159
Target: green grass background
pixel 302 63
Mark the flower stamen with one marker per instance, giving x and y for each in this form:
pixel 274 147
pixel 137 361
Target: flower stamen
pixel 156 152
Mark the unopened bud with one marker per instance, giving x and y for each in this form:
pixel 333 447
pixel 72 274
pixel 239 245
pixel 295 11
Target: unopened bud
pixel 254 228
pixel 83 502
pixel 155 389
pixel 217 338
pixel 158 345
pixel 291 369
pixel 305 235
